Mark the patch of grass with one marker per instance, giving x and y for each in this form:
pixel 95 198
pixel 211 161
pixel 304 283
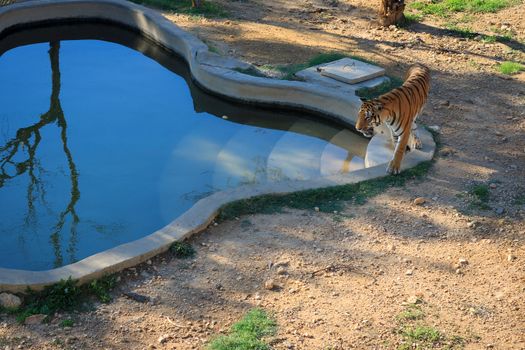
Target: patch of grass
pixel 65 295
pixel 207 8
pixel 213 48
pixel 463 32
pixel 374 92
pixel 479 196
pixel 481 192
pixel 254 72
pixel 510 68
pixel 411 313
pixel 503 35
pixel 422 334
pixel 67 323
pixel 326 199
pixel 101 288
pixel 182 250
pixel 247 334
pixel 444 8
pixel 411 18
pixel 489 39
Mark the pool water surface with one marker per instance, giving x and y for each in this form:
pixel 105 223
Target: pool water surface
pixel 101 144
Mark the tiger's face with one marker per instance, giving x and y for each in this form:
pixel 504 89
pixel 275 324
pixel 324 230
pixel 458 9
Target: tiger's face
pixel 368 117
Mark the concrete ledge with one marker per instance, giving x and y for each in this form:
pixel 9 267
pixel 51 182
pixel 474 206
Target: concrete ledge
pixel 214 73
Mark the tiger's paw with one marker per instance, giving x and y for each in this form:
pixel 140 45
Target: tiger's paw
pixel 392 168
pixel 417 144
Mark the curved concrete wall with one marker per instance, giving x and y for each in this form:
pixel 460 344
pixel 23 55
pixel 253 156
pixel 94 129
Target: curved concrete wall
pixel 214 73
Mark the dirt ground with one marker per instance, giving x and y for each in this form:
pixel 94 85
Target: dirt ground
pixel 344 279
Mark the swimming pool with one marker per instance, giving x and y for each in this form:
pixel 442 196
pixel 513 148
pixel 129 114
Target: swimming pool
pixel 105 138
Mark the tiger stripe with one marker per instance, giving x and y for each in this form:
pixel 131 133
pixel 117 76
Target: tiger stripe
pixel 398 109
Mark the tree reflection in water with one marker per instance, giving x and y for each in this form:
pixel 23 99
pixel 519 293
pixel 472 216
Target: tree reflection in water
pixel 24 146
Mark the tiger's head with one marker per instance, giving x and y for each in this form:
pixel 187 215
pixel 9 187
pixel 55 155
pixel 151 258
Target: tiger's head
pixel 369 117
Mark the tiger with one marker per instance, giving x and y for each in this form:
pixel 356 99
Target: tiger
pixel 398 109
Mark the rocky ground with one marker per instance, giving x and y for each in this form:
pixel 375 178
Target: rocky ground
pixel 346 280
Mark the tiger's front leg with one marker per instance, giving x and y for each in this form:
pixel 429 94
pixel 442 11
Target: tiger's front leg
pixel 395 164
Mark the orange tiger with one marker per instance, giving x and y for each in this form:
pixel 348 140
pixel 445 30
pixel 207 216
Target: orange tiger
pixel 398 109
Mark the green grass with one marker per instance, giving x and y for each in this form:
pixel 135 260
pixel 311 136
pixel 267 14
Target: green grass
pixel 463 32
pixel 207 9
pixel 247 334
pixel 510 68
pixel 411 18
pixel 420 337
pixel 182 250
pixel 102 287
pixel 444 8
pixel 326 199
pixel 65 295
pixel 489 39
pixel 254 72
pixel 479 196
pixel 481 192
pixel 386 86
pixel 67 323
pixel 411 313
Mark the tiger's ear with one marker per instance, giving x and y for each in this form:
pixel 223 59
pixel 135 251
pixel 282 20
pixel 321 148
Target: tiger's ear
pixel 363 99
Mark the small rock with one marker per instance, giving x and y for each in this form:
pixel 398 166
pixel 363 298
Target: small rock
pixel 511 257
pixel 471 224
pixel 282 263
pixel 446 151
pixel 10 301
pixel 493 185
pixel 436 128
pixel 499 210
pixel 409 272
pixel 164 338
pixel 35 319
pixel 463 261
pixel 420 201
pixel 269 284
pixel 281 271
pixel 413 299
pixel 316 208
pixel 137 297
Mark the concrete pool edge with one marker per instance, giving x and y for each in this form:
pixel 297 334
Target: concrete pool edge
pixel 217 74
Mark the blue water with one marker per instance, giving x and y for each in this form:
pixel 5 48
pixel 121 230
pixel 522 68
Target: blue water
pixel 101 145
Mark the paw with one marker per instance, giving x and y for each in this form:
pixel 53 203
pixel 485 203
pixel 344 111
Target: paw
pixel 417 144
pixel 392 168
